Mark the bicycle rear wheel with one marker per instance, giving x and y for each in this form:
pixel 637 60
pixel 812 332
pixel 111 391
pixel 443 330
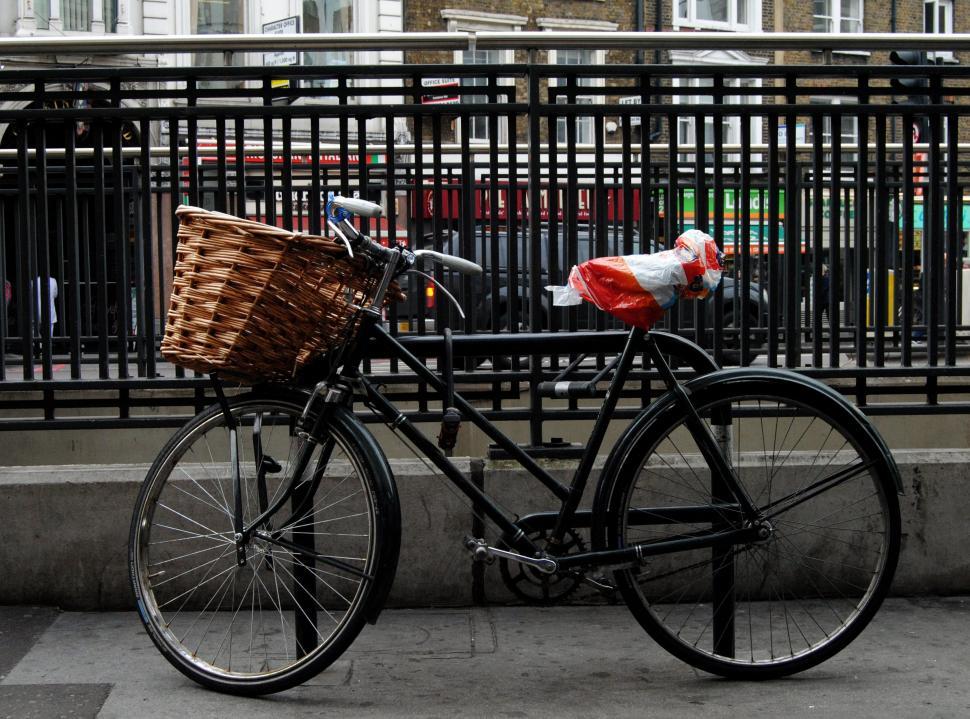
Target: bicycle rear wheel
pixel 301 597
pixel 824 483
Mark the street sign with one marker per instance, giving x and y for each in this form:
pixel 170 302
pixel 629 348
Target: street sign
pixel 439 84
pixel 631 100
pixel 281 58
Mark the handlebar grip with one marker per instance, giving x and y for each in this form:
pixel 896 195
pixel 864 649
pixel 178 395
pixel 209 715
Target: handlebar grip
pixel 466 267
pixel 358 206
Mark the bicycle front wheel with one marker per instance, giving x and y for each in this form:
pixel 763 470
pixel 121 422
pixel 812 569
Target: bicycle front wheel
pixel 277 611
pixel 824 485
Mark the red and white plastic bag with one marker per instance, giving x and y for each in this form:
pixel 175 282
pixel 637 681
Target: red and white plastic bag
pixel 638 288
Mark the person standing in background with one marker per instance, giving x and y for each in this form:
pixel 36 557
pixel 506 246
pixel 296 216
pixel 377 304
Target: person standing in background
pixel 39 316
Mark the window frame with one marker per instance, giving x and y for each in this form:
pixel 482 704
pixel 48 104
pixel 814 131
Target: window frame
pixel 945 56
pixel 349 55
pixel 585 124
pixel 690 17
pixel 836 17
pixel 202 59
pixel 98 20
pixel 847 158
pixel 474 137
pixel 733 124
pixel 461 20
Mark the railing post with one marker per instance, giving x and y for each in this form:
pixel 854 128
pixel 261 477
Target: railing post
pixel 535 248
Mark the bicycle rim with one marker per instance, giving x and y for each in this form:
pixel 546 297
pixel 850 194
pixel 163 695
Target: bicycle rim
pixel 780 605
pixel 280 617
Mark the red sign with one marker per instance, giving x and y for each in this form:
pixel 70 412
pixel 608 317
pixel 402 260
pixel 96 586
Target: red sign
pixel 448 204
pixel 255 156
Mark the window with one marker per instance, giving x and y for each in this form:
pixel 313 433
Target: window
pixel 328 16
pixel 217 17
pixel 478 124
pixel 730 125
pixel 938 18
pixel 584 123
pixel 42 13
pixel 110 15
pixel 77 15
pixel 718 14
pixel 461 20
pixel 848 128
pixel 837 16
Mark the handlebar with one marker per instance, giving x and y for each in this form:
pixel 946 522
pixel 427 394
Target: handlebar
pixel 339 210
pixel 459 264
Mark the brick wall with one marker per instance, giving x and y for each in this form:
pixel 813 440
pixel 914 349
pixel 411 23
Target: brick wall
pixel 777 15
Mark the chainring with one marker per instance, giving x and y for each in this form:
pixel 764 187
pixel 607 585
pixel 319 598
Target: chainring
pixel 538 588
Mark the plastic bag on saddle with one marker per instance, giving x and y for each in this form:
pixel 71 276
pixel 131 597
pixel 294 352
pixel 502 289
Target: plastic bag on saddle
pixel 638 288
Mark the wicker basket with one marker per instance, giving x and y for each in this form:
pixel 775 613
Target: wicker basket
pixel 253 302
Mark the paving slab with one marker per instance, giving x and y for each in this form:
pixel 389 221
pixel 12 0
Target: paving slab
pixel 42 701
pixel 20 628
pixel 512 662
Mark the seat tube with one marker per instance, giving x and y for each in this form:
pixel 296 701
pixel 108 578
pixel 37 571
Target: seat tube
pixel 578 486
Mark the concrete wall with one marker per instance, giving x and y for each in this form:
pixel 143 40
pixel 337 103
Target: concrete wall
pixel 64 531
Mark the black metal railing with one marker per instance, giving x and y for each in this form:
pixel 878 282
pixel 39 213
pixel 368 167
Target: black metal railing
pixel 845 248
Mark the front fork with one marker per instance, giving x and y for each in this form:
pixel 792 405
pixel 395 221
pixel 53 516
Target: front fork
pixel 300 492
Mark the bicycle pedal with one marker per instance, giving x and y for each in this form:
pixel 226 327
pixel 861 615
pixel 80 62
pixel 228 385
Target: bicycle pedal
pixel 479 550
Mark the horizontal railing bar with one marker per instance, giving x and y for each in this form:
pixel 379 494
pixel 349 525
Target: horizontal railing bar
pixel 723 41
pixel 172 421
pixel 300 148
pixel 742 110
pixel 451 41
pixel 432 347
pixel 630 72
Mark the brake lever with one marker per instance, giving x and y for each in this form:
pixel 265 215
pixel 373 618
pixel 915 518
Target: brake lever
pixel 340 234
pixel 440 287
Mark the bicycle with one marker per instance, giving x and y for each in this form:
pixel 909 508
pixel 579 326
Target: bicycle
pixel 749 518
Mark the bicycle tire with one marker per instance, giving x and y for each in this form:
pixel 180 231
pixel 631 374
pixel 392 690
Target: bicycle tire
pixel 282 617
pixel 774 607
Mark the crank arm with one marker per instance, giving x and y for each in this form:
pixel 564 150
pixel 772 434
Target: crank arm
pixel 481 551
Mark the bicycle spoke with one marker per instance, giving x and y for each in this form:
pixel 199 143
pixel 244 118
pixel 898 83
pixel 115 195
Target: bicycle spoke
pixel 772 604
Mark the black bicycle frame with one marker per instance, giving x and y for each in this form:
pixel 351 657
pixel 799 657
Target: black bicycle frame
pixel 731 498
pixel 733 501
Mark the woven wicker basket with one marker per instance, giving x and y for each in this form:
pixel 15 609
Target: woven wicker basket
pixel 253 302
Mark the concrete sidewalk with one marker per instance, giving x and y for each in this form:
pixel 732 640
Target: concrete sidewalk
pixel 912 661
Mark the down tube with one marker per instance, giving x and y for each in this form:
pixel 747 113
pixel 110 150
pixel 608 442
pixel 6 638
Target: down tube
pixel 396 350
pixel 393 416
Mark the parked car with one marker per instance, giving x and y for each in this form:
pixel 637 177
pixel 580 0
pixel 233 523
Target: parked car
pixel 492 293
